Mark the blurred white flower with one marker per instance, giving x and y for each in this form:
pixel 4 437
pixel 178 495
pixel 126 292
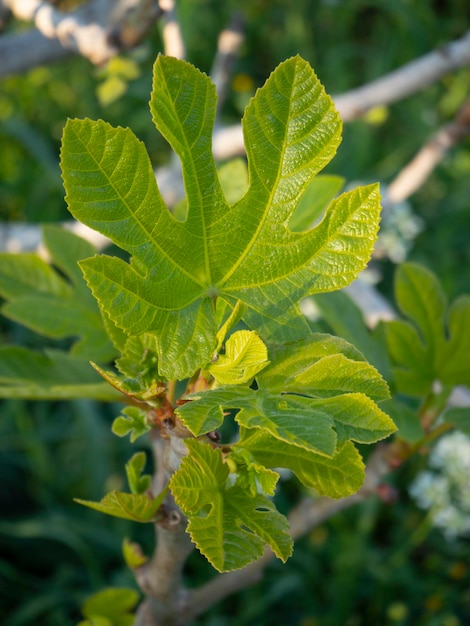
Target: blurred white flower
pixel 444 489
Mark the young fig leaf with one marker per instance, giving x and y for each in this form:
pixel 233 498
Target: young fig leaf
pixel 133 422
pixel 230 526
pixel 243 251
pixel 134 507
pixel 337 477
pixel 138 483
pixel 245 356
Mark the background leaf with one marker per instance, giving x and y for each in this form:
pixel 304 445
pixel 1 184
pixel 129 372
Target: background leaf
pixel 39 298
pixel 435 343
pixel 315 200
pixel 51 375
pixel 459 417
pixel 406 419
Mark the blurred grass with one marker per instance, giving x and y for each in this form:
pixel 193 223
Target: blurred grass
pixel 373 565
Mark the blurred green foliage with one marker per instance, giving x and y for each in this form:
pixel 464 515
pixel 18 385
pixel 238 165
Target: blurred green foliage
pixel 372 565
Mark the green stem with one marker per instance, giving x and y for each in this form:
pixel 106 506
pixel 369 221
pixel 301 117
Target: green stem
pixel 433 405
pixel 170 392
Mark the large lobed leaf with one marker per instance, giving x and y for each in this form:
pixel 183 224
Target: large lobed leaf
pixel 229 525
pixel 238 252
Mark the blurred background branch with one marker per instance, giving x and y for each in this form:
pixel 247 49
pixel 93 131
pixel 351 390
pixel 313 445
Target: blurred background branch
pixel 97 30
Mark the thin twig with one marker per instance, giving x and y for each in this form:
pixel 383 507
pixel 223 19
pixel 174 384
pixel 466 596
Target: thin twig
pixel 395 86
pixel 173 43
pixel 228 46
pixel 97 30
pixel 415 174
pixel 408 79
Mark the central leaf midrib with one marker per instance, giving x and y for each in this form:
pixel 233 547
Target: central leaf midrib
pixel 184 165
pixel 264 218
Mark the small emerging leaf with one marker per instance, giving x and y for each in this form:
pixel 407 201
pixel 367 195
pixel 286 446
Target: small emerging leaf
pixel 133 555
pixel 135 507
pixel 113 604
pixel 250 474
pixel 133 421
pixel 133 387
pixel 245 356
pixel 134 468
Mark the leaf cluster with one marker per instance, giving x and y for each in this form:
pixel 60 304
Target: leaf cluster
pixel 210 296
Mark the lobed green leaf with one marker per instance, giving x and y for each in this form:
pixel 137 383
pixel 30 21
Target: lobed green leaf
pixel 133 421
pixel 245 355
pixel 426 348
pixel 135 507
pixel 321 365
pixel 336 477
pixel 242 251
pixel 227 524
pixel 314 424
